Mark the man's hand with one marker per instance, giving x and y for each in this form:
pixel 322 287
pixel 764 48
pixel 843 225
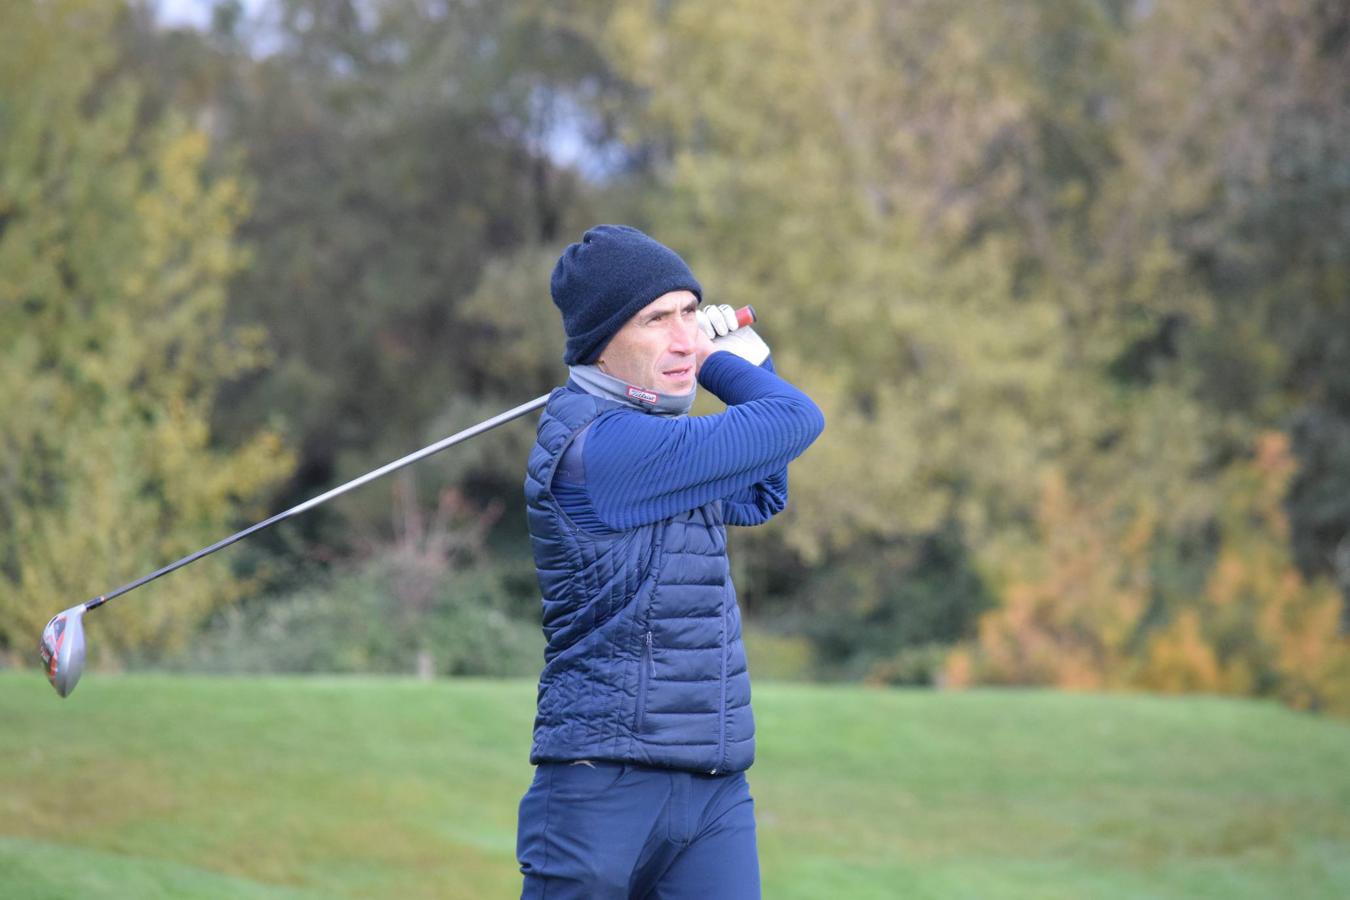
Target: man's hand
pixel 703 348
pixel 718 322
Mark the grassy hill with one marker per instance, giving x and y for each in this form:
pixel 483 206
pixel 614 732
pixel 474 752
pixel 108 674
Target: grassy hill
pixel 171 786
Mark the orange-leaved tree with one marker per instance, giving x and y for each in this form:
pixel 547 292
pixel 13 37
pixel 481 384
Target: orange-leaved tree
pixel 1259 627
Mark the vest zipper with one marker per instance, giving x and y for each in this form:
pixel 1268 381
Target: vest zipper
pixel 722 709
pixel 645 670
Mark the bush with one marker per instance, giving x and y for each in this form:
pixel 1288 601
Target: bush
pixel 918 666
pixel 777 657
pixel 887 606
pixel 353 622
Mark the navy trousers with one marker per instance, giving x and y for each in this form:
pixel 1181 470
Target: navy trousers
pixel 606 830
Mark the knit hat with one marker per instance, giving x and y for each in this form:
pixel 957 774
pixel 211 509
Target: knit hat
pixel 600 283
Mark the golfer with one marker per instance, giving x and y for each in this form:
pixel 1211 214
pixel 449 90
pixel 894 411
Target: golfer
pixel 643 730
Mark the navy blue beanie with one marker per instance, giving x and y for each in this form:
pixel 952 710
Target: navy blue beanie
pixel 601 282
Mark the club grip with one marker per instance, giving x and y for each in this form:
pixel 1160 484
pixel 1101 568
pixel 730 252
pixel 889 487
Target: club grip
pixel 745 316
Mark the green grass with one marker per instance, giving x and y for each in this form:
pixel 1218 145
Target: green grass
pixel 172 786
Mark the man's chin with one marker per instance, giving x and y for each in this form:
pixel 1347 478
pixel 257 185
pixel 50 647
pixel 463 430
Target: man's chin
pixel 676 386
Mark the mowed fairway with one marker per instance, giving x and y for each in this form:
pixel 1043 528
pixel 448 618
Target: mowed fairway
pixel 171 786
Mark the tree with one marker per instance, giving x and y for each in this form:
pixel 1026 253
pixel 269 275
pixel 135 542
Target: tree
pixel 114 256
pixel 1074 601
pixel 1259 627
pixel 931 227
pixel 399 149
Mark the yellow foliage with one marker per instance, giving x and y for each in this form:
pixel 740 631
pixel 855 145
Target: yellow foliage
pixel 959 670
pixel 1259 626
pixel 1179 660
pixel 955 300
pixel 844 201
pixel 1071 603
pixel 114 259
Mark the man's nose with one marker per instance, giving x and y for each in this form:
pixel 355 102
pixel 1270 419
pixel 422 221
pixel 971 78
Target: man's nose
pixel 682 338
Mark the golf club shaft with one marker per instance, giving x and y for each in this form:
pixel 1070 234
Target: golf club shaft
pixel 744 316
pixel 440 445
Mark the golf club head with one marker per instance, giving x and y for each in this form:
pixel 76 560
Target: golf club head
pixel 63 649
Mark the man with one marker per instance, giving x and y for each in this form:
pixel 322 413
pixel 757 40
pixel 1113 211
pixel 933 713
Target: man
pixel 644 730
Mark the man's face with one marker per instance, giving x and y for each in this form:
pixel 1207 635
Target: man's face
pixel 658 349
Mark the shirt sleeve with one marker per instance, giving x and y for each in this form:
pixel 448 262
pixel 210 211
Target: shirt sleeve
pixel 642 468
pixel 758 503
pixel 762 501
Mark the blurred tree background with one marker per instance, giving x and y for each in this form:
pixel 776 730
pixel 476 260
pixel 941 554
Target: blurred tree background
pixel 1069 279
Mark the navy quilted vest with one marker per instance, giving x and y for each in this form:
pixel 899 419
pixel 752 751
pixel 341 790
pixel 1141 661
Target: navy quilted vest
pixel 644 661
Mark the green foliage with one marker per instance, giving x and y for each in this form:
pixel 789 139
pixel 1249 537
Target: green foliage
pixel 988 244
pixel 775 656
pixel 1051 268
pixel 114 255
pixel 431 602
pixel 954 314
pixel 882 611
pixel 398 149
pixel 353 622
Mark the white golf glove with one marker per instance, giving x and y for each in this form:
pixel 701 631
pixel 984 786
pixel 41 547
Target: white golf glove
pixel 716 320
pixel 719 323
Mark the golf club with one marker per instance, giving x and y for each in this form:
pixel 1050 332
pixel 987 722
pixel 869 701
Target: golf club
pixel 62 645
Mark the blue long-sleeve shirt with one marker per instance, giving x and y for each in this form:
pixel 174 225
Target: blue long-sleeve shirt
pixel 630 468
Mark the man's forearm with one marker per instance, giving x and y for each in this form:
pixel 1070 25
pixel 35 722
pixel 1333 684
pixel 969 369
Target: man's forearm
pixel 642 469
